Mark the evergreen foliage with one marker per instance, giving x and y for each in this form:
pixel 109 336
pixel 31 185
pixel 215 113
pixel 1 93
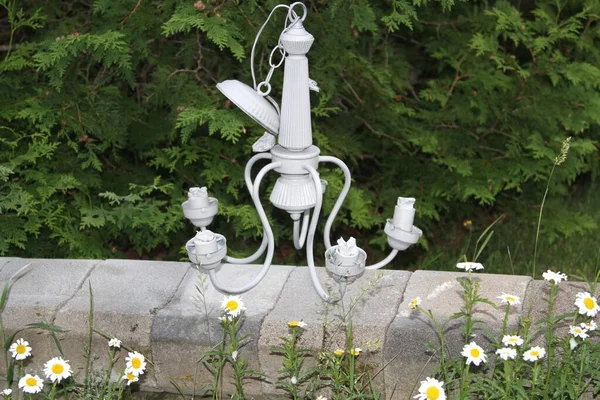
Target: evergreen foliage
pixel 109 112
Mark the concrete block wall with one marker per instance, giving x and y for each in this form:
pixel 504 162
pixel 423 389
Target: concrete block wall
pixel 155 307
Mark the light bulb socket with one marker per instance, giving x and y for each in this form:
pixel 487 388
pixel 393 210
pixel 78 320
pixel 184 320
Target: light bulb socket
pixel 342 268
pixel 201 217
pixel 207 255
pixel 400 239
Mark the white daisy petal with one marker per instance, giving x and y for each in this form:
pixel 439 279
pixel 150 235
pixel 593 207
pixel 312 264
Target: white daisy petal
pixel 233 305
pixel 587 304
pixel 535 353
pixel 414 303
pixel 509 299
pixel 474 354
pixel 555 277
pixel 512 340
pixel 136 363
pixel 130 377
pixel 431 389
pixel 31 384
pixel 57 369
pixel 507 353
pixel 469 266
pixel 20 349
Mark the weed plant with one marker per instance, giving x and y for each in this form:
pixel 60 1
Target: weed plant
pixel 60 379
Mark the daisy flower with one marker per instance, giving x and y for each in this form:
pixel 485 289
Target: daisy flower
pixel 57 369
pixel 572 343
pixel 136 363
pixel 414 303
pixel 578 331
pixel 355 351
pixel 31 384
pixel 226 318
pixel 587 304
pixel 6 392
pixel 339 352
pixel 590 326
pixel 469 266
pixel 506 353
pixel 321 398
pixel 557 277
pixel 300 324
pixel 474 354
pixel 431 389
pixel 535 353
pixel 130 377
pixel 20 349
pixel 512 340
pixel 234 355
pixel 233 305
pixel 114 342
pixel 293 380
pixel 509 299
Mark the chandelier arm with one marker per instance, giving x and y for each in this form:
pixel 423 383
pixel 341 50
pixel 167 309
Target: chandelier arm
pixel 250 164
pixel 268 232
pixel 311 238
pixel 341 197
pixel 300 237
pixel 248 178
pixel 383 262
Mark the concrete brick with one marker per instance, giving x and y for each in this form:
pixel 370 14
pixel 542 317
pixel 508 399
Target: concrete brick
pixel 299 301
pixel 37 292
pixel 185 329
pixel 536 308
pixel 127 295
pixel 410 332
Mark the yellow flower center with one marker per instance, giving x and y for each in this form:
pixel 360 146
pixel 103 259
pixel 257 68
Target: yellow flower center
pixel 474 353
pixel 589 303
pixel 413 304
pixel 232 305
pixel 432 393
pixel 21 349
pixel 136 363
pixel 293 323
pixel 535 353
pixel 31 381
pixel 510 298
pixel 130 376
pixel 338 352
pixel 58 369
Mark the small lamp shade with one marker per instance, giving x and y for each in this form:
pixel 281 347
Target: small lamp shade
pixel 253 104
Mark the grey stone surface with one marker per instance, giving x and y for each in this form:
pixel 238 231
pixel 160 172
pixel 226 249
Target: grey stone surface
pixel 536 307
pixel 37 292
pixel 299 301
pixel 154 308
pixel 126 296
pixel 188 326
pixel 411 331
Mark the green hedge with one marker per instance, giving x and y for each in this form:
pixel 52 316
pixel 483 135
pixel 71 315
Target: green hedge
pixel 109 112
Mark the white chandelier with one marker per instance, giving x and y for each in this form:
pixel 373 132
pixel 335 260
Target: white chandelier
pixel 299 189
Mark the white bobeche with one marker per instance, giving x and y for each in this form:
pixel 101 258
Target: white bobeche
pixel 299 189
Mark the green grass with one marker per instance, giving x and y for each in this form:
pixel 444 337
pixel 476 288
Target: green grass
pixel 511 249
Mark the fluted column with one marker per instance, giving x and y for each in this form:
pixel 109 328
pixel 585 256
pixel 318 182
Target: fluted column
pixel 295 131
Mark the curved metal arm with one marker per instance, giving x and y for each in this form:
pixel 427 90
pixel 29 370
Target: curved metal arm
pixel 267 232
pixel 341 197
pixel 311 237
pixel 300 238
pixel 248 178
pixel 383 262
